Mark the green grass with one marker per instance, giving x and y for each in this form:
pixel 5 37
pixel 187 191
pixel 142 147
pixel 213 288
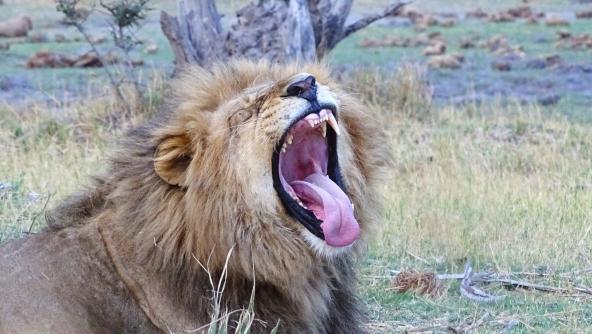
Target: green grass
pixel 506 187
pixel 508 191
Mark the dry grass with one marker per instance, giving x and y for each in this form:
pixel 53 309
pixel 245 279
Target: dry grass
pixel 45 153
pixel 508 188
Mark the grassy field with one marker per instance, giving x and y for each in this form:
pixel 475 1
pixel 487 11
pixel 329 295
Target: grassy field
pixel 506 186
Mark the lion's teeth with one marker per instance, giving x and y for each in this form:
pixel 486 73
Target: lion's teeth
pixel 333 123
pixel 311 123
pixel 289 139
pixel 323 129
pixel 284 148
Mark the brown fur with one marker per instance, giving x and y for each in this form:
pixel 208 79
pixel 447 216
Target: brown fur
pixel 182 192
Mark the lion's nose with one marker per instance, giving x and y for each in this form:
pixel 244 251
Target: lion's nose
pixel 306 89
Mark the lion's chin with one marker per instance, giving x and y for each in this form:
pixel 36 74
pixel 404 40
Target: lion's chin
pixel 321 248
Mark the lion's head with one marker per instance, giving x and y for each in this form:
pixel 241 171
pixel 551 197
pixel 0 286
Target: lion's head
pixel 274 164
pixel 260 149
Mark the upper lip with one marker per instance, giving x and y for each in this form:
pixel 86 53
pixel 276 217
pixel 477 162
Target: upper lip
pixel 313 109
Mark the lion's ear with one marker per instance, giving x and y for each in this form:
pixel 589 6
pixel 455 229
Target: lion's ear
pixel 172 158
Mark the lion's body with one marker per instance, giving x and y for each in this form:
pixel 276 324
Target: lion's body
pixel 64 282
pixel 128 254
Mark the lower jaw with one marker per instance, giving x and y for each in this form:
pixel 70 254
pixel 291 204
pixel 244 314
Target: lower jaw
pixel 321 248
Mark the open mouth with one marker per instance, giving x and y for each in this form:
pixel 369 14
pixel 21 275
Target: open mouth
pixel 308 181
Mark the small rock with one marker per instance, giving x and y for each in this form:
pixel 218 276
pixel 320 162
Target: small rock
pixel 584 14
pixel 97 39
pixel 532 20
pixel 563 34
pixel 447 23
pixel 436 49
pixel 16 27
pixel 137 62
pixel 501 17
pixel 151 49
pixel 37 37
pixel 444 61
pixel 467 43
pixel 421 40
pixel 520 12
pixel 494 43
pixel 59 38
pixel 459 56
pixel 501 65
pixel 554 21
pixel 478 14
pixel 435 35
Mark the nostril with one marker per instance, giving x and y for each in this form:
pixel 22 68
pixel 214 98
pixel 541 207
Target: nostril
pixel 304 88
pixel 294 90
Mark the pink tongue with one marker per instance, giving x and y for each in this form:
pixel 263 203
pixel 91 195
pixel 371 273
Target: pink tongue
pixel 331 205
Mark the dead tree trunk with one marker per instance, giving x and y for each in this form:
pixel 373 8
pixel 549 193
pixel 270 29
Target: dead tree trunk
pixel 276 30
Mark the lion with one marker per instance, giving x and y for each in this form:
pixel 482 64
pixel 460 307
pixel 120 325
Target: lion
pixel 265 176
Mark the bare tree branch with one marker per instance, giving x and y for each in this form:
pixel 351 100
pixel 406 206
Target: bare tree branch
pixel 469 291
pixel 170 28
pixel 469 279
pixel 392 10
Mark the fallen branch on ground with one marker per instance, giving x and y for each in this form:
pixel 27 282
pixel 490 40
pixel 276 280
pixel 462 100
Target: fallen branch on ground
pixel 470 279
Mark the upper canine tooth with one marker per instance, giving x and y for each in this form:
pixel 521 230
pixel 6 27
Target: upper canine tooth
pixel 311 123
pixel 323 129
pixel 333 123
pixel 289 139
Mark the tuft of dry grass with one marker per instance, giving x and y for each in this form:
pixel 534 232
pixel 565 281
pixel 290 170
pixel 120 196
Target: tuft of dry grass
pixel 422 283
